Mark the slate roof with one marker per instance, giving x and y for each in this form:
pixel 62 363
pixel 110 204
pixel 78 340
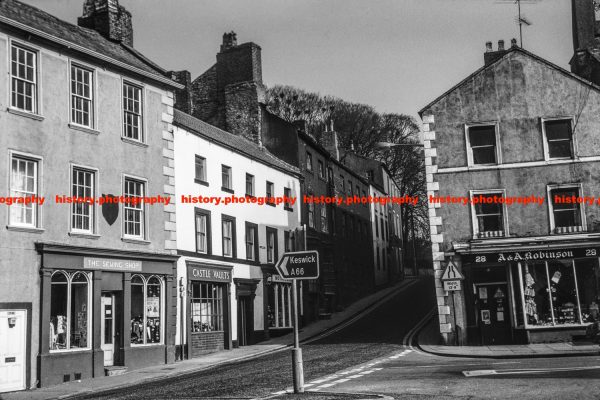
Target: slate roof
pixel 33 20
pixel 236 143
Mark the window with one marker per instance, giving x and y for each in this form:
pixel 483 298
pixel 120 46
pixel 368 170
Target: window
pixel 82 211
pixel 350 193
pixel 324 222
pixel 343 191
pixel 133 210
pixel 207 307
pixel 376 227
pixel 378 258
pixel 310 207
pixel 82 96
pixel 488 214
pixel 70 311
pixel 370 175
pixel 280 306
pixel 23 73
pixel 146 310
pixel 482 146
pixel 288 239
pixel 271 245
pixel 226 183
pixel 249 185
pixel 321 170
pixel 270 193
pixel 558 135
pixel 330 175
pixel 228 230
pixel 251 241
pixel 200 164
pixel 309 162
pixel 287 194
pixel 132 112
pixel 565 212
pixel 364 193
pixel 24 183
pixel 203 232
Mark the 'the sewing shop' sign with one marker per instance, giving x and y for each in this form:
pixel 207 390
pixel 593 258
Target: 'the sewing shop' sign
pixel 532 255
pixel 112 264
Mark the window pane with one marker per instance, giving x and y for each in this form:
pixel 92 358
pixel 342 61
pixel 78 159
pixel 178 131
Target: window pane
pixel 482 135
pixel 58 311
pixel 560 148
pixel 153 311
pixel 201 233
pixel 564 296
pixel 484 155
pixel 537 300
pixel 560 129
pixel 137 311
pixel 79 311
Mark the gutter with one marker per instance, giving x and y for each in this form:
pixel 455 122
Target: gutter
pixel 89 52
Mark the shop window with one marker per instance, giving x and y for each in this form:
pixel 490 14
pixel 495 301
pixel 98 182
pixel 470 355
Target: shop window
pixel 24 183
pixel 558 138
pixel 82 96
pixel 82 212
pixel 69 311
pixel 132 112
pixel 133 211
pixel 207 307
pixel 279 310
pixel 565 212
pixel 146 310
pixel 271 245
pixel 588 288
pixel 488 214
pixel 482 145
pixel 23 74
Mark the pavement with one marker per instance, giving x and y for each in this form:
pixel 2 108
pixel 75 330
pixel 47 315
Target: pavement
pixel 311 332
pixel 428 341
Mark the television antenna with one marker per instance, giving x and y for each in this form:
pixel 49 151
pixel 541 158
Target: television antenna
pixel 521 19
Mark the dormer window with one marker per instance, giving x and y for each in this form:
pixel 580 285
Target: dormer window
pixel 482 144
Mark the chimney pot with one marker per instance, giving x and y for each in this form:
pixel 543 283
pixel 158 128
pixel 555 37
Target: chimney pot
pixel 488 46
pixel 513 42
pixel 500 45
pixel 229 41
pixel 109 19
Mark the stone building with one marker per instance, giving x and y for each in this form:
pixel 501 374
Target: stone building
pixel 87 289
pixel 518 127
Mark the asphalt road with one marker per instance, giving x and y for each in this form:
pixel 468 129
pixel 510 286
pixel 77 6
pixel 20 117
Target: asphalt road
pixel 377 334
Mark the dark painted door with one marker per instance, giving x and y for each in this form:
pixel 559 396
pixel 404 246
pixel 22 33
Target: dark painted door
pixel 494 314
pixel 245 320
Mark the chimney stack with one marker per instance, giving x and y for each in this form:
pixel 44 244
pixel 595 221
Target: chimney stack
pixel 229 41
pixel 490 55
pixel 330 141
pixel 109 19
pixel 488 47
pixel 513 42
pixel 500 45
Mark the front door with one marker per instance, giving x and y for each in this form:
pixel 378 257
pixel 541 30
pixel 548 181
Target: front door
pixel 107 325
pixel 494 315
pixel 12 349
pixel 245 320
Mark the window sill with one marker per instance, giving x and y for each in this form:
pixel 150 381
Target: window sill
pixel 86 235
pixel 226 189
pixel 85 129
pixel 26 114
pixel 135 241
pixel 133 142
pixel 29 229
pixel 489 235
pixel 201 182
pixel 290 209
pixel 68 351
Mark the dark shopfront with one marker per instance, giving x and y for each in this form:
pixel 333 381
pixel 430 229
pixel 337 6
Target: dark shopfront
pixel 531 296
pixel 208 308
pixel 103 310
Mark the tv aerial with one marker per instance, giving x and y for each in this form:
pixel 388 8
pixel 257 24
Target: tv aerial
pixel 521 19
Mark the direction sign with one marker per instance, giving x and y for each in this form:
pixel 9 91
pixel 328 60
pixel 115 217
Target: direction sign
pixel 451 273
pixel 299 265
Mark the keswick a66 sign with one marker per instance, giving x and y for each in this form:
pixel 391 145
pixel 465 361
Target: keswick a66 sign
pixel 299 265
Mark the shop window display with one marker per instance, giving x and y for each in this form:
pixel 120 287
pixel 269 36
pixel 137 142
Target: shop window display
pixel 588 279
pixel 279 309
pixel 69 311
pixel 146 312
pixel 207 307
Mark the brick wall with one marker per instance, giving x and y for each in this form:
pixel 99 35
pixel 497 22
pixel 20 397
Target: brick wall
pixel 206 99
pixel 206 342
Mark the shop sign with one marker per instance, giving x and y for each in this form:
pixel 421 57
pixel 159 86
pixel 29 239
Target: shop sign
pixel 532 255
pixel 111 264
pixel 209 274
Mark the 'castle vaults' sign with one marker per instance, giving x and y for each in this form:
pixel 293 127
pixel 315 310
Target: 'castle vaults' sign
pixel 209 273
pixel 532 255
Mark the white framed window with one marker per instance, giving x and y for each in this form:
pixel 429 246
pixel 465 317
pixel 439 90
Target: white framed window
pixel 559 143
pixel 132 112
pixel 249 185
pixel 309 162
pixel 83 210
pixel 24 183
pixel 271 245
pixel 147 305
pixel 134 210
pixel 23 78
pixel 251 242
pixel 70 311
pixel 200 168
pixel 203 231
pixel 226 177
pixel 567 215
pixel 483 144
pixel 82 96
pixel 488 213
pixel 310 207
pixel 228 233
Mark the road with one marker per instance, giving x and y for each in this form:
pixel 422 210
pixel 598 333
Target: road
pixel 368 356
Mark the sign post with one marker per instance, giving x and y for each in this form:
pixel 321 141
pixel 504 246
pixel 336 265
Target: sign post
pixel 298 265
pixel 452 278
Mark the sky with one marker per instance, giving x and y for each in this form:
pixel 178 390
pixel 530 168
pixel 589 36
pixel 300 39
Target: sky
pixel 396 55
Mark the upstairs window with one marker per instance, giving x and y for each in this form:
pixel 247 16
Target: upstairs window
pixel 251 242
pixel 321 170
pixel 309 162
pixel 226 178
pixel 558 142
pixel 488 214
pixel 228 231
pixel 200 166
pixel 311 214
pixel 133 211
pixel 23 73
pixel 249 185
pixel 271 245
pixel 132 112
pixel 482 145
pixel 566 214
pixel 82 96
pixel 24 183
pixel 82 212
pixel 324 222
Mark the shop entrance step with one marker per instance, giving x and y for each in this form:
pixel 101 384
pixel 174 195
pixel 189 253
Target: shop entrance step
pixel 115 370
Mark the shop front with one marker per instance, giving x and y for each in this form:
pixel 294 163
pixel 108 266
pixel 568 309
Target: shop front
pixel 208 308
pixel 279 305
pixel 531 295
pixel 103 311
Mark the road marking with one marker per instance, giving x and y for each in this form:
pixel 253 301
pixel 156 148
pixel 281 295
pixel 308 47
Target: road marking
pixel 487 372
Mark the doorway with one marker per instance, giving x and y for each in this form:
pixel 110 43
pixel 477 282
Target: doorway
pixel 493 313
pixel 245 320
pixel 107 326
pixel 13 333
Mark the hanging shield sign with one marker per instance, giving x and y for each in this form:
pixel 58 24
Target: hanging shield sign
pixel 110 208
